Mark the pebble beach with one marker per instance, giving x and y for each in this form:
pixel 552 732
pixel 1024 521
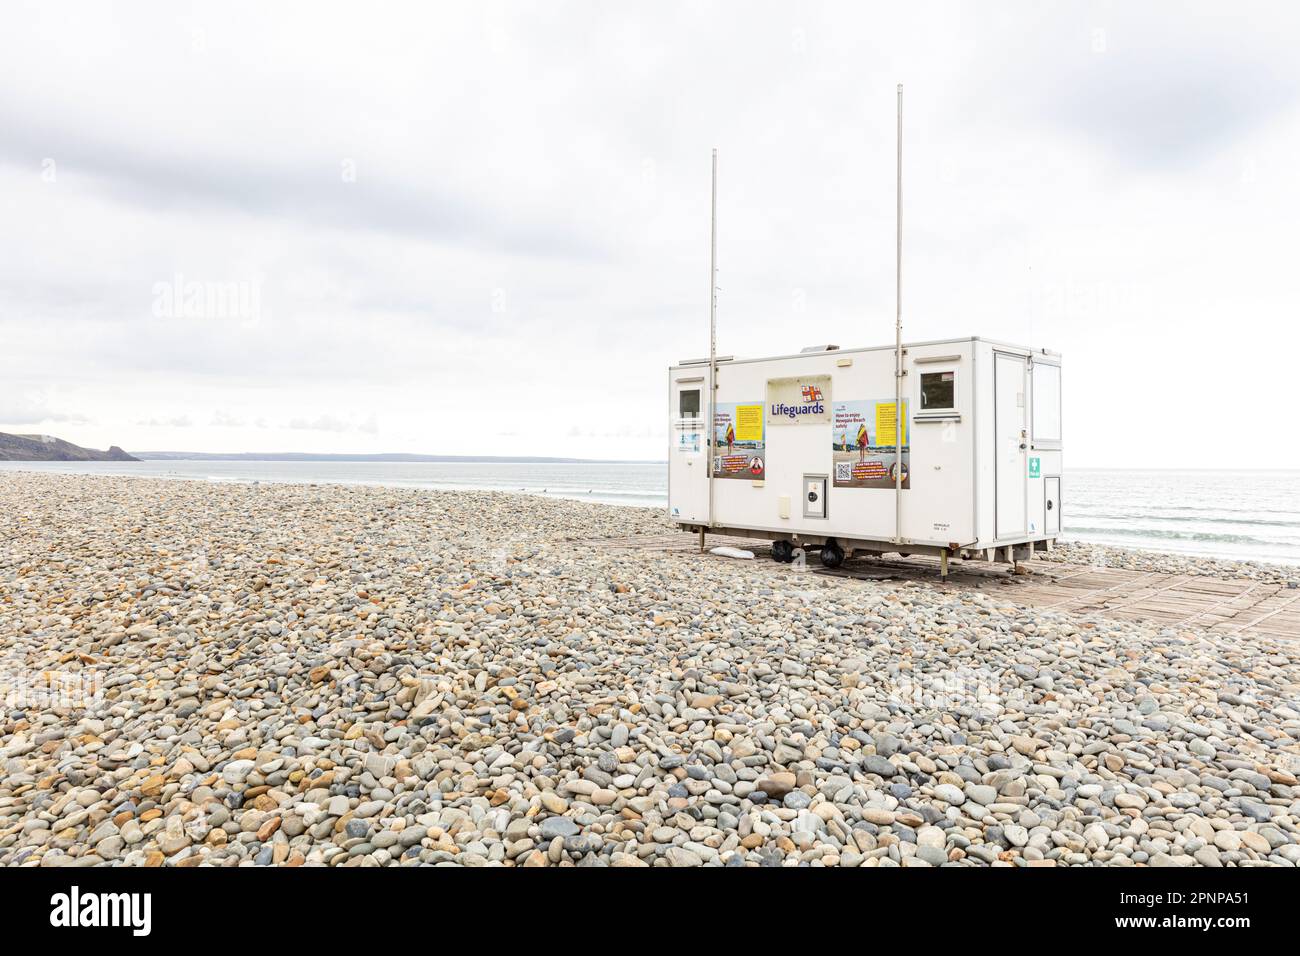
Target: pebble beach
pixel 232 674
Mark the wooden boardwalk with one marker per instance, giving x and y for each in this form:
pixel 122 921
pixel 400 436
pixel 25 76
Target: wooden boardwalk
pixel 1223 606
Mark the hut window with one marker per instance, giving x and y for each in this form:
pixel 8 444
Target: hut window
pixel 1047 402
pixel 939 391
pixel 688 403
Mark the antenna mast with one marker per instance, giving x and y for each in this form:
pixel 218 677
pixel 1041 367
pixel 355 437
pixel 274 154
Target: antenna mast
pixel 900 421
pixel 713 334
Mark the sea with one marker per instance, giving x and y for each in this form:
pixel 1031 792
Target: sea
pixel 1241 515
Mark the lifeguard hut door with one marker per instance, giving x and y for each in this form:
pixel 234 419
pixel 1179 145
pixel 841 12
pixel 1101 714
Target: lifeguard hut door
pixel 688 458
pixel 1011 464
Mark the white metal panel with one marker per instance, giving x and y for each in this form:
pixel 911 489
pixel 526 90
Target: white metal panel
pixel 1044 442
pixel 939 507
pixel 688 489
pixel 1048 521
pixel 1010 444
pixel 1052 504
pixel 814 496
pixel 983 431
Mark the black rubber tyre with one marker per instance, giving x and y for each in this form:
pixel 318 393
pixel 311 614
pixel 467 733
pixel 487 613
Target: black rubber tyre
pixel 782 551
pixel 832 555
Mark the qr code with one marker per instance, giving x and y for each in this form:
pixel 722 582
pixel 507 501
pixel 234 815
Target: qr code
pixel 844 471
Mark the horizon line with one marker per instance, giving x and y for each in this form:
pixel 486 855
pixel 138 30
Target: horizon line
pixel 378 457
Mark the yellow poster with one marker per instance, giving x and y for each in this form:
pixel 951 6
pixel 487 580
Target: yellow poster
pixel 738 450
pixel 886 420
pixel 862 445
pixel 749 423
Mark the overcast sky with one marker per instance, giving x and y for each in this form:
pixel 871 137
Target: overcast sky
pixel 483 228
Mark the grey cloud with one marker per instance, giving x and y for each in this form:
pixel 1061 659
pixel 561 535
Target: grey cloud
pixel 307 187
pixel 1163 111
pixel 33 408
pixel 1153 85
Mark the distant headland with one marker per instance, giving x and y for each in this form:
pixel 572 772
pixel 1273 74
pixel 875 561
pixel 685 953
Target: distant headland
pixel 49 448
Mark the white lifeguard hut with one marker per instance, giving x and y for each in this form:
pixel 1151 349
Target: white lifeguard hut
pixel 951 448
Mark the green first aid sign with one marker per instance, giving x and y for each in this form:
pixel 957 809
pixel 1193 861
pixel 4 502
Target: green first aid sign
pixel 1035 467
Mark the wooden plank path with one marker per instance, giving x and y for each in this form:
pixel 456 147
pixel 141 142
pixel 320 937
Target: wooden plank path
pixel 1219 605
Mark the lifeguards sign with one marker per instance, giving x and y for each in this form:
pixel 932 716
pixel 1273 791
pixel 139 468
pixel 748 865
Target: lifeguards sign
pixel 801 400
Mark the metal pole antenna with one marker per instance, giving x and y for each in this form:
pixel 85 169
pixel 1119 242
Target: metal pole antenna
pixel 900 421
pixel 713 333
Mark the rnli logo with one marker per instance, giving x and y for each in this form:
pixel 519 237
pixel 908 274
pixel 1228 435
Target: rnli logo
pixel 802 400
